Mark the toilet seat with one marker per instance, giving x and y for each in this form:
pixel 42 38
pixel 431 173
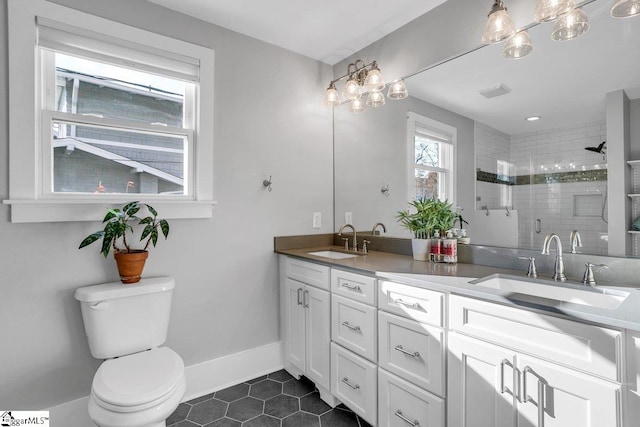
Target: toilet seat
pixel 139 381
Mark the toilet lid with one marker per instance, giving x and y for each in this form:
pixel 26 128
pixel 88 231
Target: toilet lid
pixel 138 378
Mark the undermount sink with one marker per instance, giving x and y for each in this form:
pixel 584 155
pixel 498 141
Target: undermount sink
pixel 524 289
pixel 333 254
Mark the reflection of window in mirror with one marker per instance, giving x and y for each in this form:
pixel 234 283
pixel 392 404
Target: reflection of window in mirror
pixel 431 150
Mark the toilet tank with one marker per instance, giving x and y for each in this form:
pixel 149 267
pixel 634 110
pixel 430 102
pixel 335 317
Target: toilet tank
pixel 122 319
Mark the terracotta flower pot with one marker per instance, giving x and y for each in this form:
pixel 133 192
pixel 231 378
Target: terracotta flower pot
pixel 130 265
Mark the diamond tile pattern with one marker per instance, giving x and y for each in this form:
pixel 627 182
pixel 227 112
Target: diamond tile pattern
pixel 274 400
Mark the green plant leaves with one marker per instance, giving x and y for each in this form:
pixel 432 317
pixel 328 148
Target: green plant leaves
pixel 117 224
pixel 430 215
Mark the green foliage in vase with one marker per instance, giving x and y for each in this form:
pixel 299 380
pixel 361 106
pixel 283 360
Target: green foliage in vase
pixel 426 216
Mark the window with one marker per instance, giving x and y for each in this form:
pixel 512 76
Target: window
pixel 431 151
pixel 120 114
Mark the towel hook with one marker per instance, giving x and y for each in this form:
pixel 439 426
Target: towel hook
pixel 385 190
pixel 267 183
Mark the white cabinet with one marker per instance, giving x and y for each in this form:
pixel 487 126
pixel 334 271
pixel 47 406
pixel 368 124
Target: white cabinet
pixel 306 323
pixel 354 326
pixel 354 382
pixel 402 404
pixel 633 377
pixel 413 351
pixel 493 386
pixel 538 370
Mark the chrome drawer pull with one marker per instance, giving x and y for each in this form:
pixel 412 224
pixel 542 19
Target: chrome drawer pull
pixel 353 328
pixel 398 414
pixel 350 287
pixel 305 304
pixel 353 386
pixel 415 354
pixel 414 305
pixel 299 296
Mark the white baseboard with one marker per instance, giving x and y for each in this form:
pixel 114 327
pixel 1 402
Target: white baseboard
pixel 203 378
pixel 226 371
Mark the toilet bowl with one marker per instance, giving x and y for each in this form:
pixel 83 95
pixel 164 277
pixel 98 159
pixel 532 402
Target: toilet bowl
pixel 139 390
pixel 140 383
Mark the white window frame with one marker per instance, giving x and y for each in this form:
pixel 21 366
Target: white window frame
pixel 440 131
pixel 30 197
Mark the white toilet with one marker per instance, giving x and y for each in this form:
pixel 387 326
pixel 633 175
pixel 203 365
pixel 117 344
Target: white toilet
pixel 140 384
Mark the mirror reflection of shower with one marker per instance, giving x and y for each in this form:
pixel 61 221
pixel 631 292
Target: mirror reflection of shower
pixel 602 149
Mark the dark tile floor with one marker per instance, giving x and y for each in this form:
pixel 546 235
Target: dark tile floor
pixel 274 400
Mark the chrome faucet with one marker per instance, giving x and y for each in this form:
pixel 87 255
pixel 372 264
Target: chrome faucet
pixel 378 224
pixel 558 267
pixel 576 241
pixel 355 237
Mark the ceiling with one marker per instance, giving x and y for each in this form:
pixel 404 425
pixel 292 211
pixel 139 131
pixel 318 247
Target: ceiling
pixel 327 30
pixel 564 82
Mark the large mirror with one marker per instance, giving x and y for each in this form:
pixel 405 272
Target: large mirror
pixel 514 180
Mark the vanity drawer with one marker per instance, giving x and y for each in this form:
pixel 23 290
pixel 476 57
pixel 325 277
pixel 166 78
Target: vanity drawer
pixel 422 305
pixel 308 272
pixel 401 404
pixel 354 326
pixel 413 351
pixel 355 286
pixel 589 348
pixel 354 382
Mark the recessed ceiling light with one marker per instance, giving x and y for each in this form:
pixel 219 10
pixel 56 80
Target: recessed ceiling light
pixel 533 118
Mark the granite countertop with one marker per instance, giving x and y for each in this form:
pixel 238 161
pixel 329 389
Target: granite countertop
pixel 455 278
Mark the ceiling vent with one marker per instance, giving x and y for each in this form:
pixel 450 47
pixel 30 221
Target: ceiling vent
pixel 492 92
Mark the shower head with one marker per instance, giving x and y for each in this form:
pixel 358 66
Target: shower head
pixel 599 149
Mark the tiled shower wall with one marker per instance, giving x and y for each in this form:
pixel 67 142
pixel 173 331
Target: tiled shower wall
pixel 559 186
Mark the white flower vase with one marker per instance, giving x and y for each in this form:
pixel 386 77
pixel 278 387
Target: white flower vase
pixel 421 249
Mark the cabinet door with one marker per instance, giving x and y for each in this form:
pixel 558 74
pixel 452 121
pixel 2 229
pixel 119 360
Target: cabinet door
pixel 318 335
pixel 481 384
pixel 570 398
pixel 294 323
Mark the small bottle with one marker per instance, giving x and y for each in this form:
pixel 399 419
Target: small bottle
pixel 436 247
pixel 463 239
pixel 450 249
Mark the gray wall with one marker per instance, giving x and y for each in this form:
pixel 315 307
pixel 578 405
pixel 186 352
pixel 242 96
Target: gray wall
pixel 226 299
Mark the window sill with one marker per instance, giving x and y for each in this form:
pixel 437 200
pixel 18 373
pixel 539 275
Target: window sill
pixel 32 211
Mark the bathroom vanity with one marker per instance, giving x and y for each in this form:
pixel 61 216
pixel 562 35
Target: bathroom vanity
pixel 406 343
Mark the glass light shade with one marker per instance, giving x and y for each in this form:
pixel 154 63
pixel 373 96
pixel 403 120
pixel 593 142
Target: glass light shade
pixel 518 45
pixel 397 90
pixel 351 89
pixel 570 26
pixel 625 8
pixel 331 97
pixel 374 80
pixel 357 106
pixel 548 10
pixel 375 99
pixel 499 25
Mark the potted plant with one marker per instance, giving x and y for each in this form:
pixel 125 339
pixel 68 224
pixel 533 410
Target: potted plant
pixel 420 222
pixel 430 215
pixel 117 224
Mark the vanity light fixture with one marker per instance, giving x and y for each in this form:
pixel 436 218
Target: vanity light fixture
pixel 570 26
pixel 625 8
pixel 362 79
pixel 398 90
pixel 518 45
pixel 548 10
pixel 499 24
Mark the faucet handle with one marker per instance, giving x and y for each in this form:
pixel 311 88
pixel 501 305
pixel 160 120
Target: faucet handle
pixel 588 278
pixel 364 246
pixel 346 243
pixel 531 270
